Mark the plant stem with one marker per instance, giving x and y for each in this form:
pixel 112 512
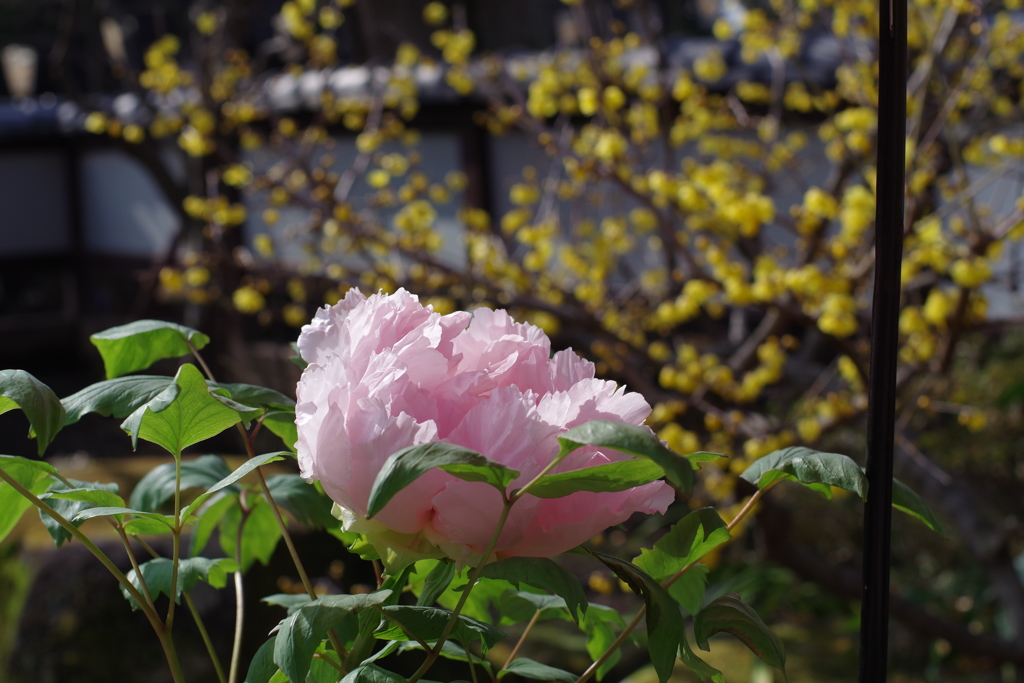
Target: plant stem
pixel 433 654
pixel 469 658
pixel 176 535
pixel 135 562
pixel 154 619
pixel 205 636
pixel 522 639
pixel 550 466
pixel 592 669
pixel 329 661
pixel 236 646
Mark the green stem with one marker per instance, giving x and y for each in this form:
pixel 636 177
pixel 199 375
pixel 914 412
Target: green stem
pixel 592 669
pixel 469 658
pixel 236 647
pixel 176 535
pixel 135 562
pixel 330 661
pixel 551 465
pixel 147 609
pixel 522 639
pixel 473 578
pixel 206 637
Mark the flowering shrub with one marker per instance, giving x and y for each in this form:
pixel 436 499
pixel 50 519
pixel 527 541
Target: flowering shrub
pixel 386 373
pixel 442 438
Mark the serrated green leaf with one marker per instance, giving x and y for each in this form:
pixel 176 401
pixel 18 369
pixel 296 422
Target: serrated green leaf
pixel 543 573
pixel 814 469
pixel 262 667
pixel 157 574
pixel 527 668
pixel 33 475
pixel 408 464
pixel 904 499
pixel 135 346
pixel 304 501
pixel 613 476
pixel 299 635
pixel 704 671
pixel 729 614
pixel 230 479
pixel 437 581
pixel 191 416
pixel 635 440
pixel 259 537
pixel 664 620
pixel 689 539
pixel 428 623
pixel 42 408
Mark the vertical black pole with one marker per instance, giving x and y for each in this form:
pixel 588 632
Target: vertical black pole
pixel 892 122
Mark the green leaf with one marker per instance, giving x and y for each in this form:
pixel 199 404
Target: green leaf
pixel 208 519
pixel 33 475
pixel 95 496
pixel 67 508
pixel 157 487
pixel 699 457
pixel 598 627
pixel 260 533
pixel 191 416
pixel 118 397
pixel 518 606
pixel 371 673
pixel 613 476
pixel 262 667
pixel 437 581
pixel 664 620
pixel 117 512
pixel 729 614
pixel 135 346
pixel 527 668
pixel 282 424
pixel 292 602
pixel 19 389
pixel 157 574
pixel 230 479
pixel 814 469
pixel 408 464
pixel 688 589
pixel 689 539
pixel 544 573
pixel 299 635
pixel 149 526
pixel 704 671
pixel 428 623
pixel 304 501
pixel 253 395
pixel 904 498
pixel 321 669
pixel 634 440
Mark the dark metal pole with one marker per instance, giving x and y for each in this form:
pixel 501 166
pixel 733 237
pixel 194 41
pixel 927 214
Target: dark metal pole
pixel 892 123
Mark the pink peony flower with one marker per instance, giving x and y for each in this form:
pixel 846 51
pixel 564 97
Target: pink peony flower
pixel 386 372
